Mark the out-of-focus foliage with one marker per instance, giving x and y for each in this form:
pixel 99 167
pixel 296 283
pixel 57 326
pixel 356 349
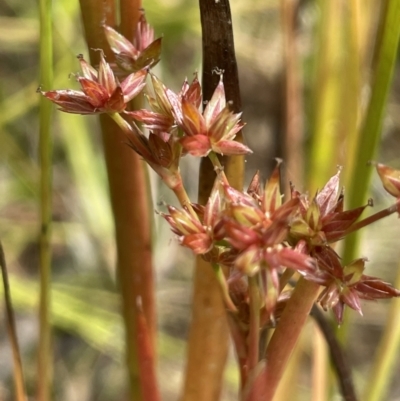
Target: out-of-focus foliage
pixel 88 340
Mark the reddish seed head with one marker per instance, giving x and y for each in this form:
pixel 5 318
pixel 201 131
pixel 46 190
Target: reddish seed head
pixel 101 92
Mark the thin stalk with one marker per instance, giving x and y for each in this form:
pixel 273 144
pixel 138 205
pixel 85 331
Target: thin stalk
pixel 129 17
pixel 209 329
pixel 287 333
pixel 387 354
pixel 20 393
pixel 294 136
pixel 45 353
pixel 384 62
pixel 176 184
pixel 254 325
pixel 239 341
pixel 374 218
pixel 146 352
pixel 285 278
pixel 130 205
pixel 219 274
pixel 319 380
pixel 286 391
pixel 351 88
pixel 208 345
pixel 325 102
pixel 385 56
pixel 338 358
pixel 219 169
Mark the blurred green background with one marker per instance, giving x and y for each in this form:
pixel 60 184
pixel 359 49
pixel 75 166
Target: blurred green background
pixel 88 339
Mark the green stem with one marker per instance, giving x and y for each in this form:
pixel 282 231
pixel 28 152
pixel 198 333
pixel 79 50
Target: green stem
pixel 45 354
pixel 20 394
pixel 287 333
pixel 385 56
pixel 386 355
pixel 219 274
pixel 218 166
pixel 384 62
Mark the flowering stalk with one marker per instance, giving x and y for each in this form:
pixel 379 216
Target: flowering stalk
pixel 20 393
pixel 375 217
pixel 126 175
pixel 172 179
pixel 216 29
pixel 287 333
pixel 219 274
pixel 338 357
pixel 254 325
pixel 255 240
pixel 45 351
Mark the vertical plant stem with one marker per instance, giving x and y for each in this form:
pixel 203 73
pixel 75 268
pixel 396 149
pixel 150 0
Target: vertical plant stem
pixel 146 352
pixel 254 325
pixel 129 200
pixel 286 391
pixel 293 147
pixel 319 387
pixel 129 17
pixel 351 88
pixel 208 337
pixel 20 394
pixel 287 333
pixel 220 276
pixel 207 348
pixel 385 54
pixel 387 353
pixel 338 358
pixel 384 62
pixel 45 354
pixel 325 104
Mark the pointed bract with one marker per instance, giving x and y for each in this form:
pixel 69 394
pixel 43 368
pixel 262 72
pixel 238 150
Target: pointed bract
pixel 144 52
pixel 101 91
pixel 390 179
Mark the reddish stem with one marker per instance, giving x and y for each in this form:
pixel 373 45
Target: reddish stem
pixel 375 217
pixel 287 333
pixel 128 190
pixel 239 340
pixel 254 327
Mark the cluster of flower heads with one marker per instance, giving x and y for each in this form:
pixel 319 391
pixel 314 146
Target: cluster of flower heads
pixel 175 123
pixel 252 233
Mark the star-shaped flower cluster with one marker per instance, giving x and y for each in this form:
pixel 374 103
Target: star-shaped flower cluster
pixel 255 234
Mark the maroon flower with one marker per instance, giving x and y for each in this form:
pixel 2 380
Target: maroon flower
pixel 257 226
pixel 390 179
pixel 101 91
pixel 144 52
pixel 166 106
pixel 323 220
pixel 346 285
pixel 214 130
pixel 199 232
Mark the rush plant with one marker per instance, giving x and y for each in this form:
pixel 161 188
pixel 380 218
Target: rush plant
pixel 273 257
pixel 267 255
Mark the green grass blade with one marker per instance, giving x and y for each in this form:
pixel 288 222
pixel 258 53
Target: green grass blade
pixel 387 354
pixel 20 394
pixel 45 353
pixel 325 101
pixel 384 62
pixel 385 58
